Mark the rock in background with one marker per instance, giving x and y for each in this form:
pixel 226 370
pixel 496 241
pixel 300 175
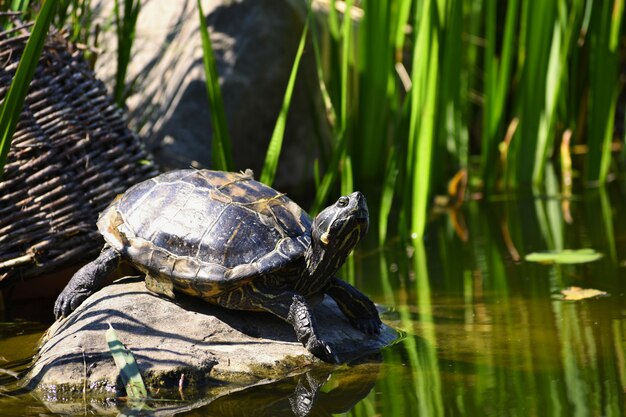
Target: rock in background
pixel 255 43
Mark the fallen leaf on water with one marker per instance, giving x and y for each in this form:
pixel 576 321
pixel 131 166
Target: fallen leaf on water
pixel 566 256
pixel 577 293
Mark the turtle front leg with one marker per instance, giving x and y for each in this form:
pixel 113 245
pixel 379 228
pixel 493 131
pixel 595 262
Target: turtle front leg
pixel 294 309
pixel 355 305
pixel 86 281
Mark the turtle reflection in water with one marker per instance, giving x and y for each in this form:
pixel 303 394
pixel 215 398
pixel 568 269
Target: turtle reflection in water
pixel 302 395
pixel 235 242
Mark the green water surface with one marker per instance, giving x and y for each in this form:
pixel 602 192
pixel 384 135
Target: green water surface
pixel 487 333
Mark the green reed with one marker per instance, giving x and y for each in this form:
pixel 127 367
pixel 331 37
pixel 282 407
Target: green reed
pixel 221 154
pixel 415 90
pixel 605 37
pixel 125 25
pixel 77 15
pixel 276 141
pixel 435 86
pixel 12 103
pixel 338 106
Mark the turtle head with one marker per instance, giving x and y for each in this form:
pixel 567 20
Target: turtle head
pixel 339 227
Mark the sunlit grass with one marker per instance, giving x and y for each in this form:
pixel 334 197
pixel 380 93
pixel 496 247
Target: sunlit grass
pixel 414 91
pixel 272 155
pixel 221 154
pixel 125 25
pixel 423 72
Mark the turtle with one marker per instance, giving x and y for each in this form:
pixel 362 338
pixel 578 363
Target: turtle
pixel 234 242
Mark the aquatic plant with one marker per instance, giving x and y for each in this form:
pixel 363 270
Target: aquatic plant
pixel 418 90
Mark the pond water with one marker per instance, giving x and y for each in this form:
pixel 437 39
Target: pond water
pixel 486 332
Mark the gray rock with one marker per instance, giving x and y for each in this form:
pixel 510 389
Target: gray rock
pixel 254 42
pixel 299 395
pixel 208 344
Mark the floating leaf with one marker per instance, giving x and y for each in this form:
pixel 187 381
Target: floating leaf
pixel 125 362
pixel 566 256
pixel 577 293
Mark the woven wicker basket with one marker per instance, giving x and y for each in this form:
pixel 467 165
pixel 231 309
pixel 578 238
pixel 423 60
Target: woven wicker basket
pixel 71 154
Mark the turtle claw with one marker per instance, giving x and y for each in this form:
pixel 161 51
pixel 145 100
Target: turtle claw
pixel 322 350
pixel 68 301
pixel 303 321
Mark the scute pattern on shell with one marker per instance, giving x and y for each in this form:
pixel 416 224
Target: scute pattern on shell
pixel 207 231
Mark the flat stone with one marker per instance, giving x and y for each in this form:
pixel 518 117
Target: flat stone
pixel 208 344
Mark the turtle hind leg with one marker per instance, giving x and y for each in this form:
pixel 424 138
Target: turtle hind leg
pixel 294 309
pixel 86 281
pixel 159 285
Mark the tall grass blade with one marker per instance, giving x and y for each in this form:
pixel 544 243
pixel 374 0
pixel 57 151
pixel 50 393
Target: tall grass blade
pixel 340 149
pixel 400 20
pixel 276 142
pixel 453 132
pixel 62 12
pixel 347 186
pixel 21 6
pixel 330 176
pixel 388 289
pixel 489 145
pixel 13 102
pixel 333 20
pixel 82 20
pixel 525 151
pixel 375 66
pixel 347 178
pixel 333 56
pixel 221 155
pixel 346 50
pixel 347 181
pixel 423 113
pixel 544 133
pixel 606 21
pixel 496 87
pixel 125 27
pixel 331 115
pixel 386 199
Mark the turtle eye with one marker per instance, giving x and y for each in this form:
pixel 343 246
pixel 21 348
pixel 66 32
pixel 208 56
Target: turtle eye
pixel 342 202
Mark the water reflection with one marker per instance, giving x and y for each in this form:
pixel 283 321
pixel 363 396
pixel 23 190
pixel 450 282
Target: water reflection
pixel 489 332
pixel 316 393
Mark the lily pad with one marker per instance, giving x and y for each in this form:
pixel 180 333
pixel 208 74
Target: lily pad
pixel 578 293
pixel 566 256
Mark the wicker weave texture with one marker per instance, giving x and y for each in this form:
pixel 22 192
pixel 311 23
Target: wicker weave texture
pixel 71 154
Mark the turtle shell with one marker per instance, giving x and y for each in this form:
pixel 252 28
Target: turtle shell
pixel 206 231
